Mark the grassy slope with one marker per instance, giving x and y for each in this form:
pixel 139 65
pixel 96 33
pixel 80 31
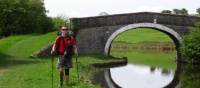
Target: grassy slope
pixel 141 35
pixel 7 42
pixel 24 72
pixel 26 47
pixel 162 60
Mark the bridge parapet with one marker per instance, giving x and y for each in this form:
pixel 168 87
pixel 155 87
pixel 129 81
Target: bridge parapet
pixel 142 17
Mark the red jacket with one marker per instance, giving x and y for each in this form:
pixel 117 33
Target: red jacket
pixel 60 43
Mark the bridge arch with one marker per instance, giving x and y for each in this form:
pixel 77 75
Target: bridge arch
pixel 170 32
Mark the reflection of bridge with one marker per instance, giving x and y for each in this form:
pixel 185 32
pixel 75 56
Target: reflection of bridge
pixel 175 83
pixel 104 78
pixel 95 34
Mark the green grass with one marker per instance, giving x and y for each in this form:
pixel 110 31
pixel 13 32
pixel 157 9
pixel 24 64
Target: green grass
pixel 26 47
pixel 17 70
pixel 160 60
pixel 37 74
pixel 142 35
pixel 5 43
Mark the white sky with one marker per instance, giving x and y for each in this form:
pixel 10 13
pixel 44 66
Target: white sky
pixel 84 8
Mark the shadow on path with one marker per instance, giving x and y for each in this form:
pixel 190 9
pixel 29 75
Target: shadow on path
pixel 7 61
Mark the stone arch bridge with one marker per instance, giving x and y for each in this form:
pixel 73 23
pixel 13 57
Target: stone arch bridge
pixel 95 34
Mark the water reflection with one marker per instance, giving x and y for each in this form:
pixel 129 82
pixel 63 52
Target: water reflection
pixel 144 76
pixel 107 80
pixel 141 76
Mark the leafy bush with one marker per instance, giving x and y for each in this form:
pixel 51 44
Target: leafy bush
pixel 191 45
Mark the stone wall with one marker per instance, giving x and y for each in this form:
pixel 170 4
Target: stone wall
pixel 123 19
pixel 93 40
pixel 93 32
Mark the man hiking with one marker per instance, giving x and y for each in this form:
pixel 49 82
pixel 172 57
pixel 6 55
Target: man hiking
pixel 64 46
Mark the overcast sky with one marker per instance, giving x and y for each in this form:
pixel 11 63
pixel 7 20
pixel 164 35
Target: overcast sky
pixel 84 8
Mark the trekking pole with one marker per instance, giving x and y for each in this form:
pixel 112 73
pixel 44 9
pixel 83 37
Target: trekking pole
pixel 77 68
pixel 70 26
pixel 52 78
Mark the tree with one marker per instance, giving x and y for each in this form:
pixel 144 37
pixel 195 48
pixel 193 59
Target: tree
pixel 166 12
pixel 103 14
pixel 23 17
pixel 176 11
pixel 198 11
pixel 184 11
pixel 60 21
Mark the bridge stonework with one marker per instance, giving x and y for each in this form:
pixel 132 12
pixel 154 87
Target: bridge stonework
pixel 94 34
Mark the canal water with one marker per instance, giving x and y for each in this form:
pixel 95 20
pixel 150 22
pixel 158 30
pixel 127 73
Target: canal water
pixel 144 75
pixel 141 76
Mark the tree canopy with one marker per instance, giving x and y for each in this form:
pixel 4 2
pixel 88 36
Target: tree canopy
pixel 166 12
pixel 198 11
pixel 182 11
pixel 23 17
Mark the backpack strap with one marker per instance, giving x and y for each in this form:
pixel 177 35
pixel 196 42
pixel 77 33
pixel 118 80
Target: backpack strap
pixel 63 40
pixel 57 45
